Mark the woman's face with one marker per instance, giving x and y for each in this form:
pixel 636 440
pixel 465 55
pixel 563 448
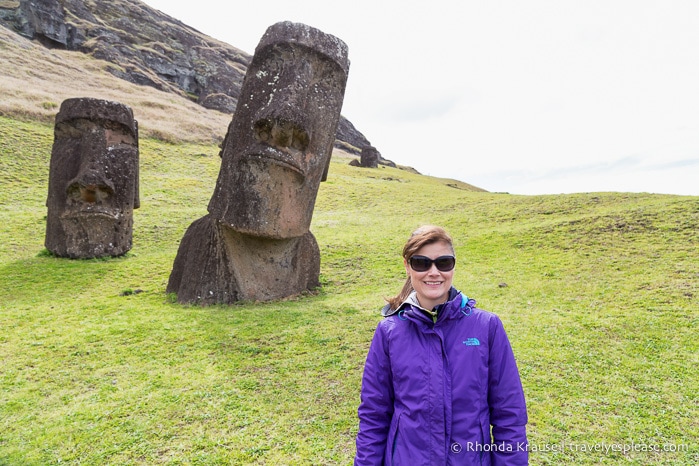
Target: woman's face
pixel 432 286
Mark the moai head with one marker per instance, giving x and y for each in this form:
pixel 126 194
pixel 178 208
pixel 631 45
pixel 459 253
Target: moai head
pixel 279 142
pixel 93 179
pixel 369 157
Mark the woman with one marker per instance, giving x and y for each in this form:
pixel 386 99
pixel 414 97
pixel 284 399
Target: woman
pixel 440 384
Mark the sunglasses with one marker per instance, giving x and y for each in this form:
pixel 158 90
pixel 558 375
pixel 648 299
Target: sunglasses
pixel 423 264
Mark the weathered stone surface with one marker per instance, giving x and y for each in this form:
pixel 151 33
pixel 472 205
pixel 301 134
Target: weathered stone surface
pixel 348 138
pixel 218 265
pixel 148 48
pixel 43 20
pixel 369 157
pixel 255 244
pixel 269 176
pixel 93 180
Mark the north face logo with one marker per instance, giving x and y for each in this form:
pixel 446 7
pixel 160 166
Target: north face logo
pixel 472 342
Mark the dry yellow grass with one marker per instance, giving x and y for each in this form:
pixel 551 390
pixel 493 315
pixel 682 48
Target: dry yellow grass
pixel 35 80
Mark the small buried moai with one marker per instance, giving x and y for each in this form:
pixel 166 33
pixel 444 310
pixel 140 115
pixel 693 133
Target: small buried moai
pixel 369 157
pixel 93 180
pixel 255 243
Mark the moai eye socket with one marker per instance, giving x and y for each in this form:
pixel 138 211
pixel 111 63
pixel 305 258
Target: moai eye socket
pixel 300 141
pixel 282 134
pixel 263 130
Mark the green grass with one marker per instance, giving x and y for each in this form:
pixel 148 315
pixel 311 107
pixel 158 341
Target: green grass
pixel 598 292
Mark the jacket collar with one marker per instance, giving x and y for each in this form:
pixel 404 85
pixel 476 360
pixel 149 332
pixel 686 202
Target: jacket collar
pixel 457 304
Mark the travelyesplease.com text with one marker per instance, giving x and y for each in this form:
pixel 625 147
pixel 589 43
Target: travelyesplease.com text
pixel 602 447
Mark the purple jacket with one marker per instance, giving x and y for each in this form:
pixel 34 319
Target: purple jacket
pixel 432 391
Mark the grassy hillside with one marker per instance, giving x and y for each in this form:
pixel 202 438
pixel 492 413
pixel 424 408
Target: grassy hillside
pixel 598 293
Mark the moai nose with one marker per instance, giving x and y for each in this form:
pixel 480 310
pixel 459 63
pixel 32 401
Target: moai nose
pixel 91 187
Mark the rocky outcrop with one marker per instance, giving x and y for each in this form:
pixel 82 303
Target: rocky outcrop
pixel 146 47
pixel 44 21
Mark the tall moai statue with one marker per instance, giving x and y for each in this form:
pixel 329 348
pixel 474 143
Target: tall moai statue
pixel 255 243
pixel 93 180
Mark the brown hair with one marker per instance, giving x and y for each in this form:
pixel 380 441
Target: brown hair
pixel 423 236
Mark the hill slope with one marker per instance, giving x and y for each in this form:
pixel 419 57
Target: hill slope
pixel 598 293
pixel 35 80
pixel 137 44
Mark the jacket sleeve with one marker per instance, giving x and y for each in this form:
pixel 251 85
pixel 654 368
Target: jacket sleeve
pixel 508 410
pixel 376 405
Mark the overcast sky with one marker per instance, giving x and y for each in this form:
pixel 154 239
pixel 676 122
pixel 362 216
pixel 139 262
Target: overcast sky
pixel 526 97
